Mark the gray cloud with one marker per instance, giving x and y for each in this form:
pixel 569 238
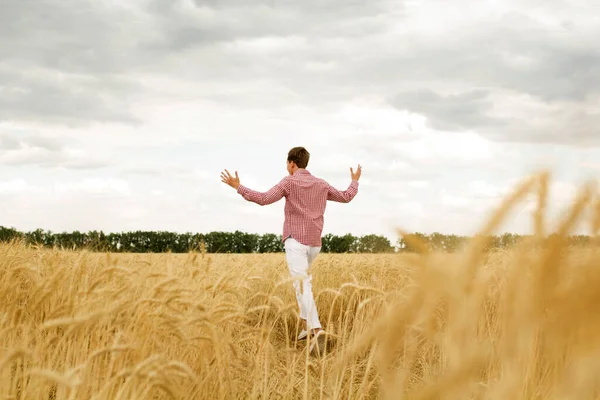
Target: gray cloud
pixel 559 69
pixel 453 112
pixel 171 171
pixel 9 142
pixel 53 97
pixel 79 64
pixel 66 63
pixel 214 21
pixel 572 123
pixel 79 164
pixel 46 143
pixel 27 149
pixel 513 52
pixel 72 38
pixel 19 141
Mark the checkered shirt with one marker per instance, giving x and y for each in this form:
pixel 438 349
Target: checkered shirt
pixel 306 198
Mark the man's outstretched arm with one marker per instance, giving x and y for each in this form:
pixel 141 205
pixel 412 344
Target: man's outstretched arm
pixel 261 198
pixel 275 194
pixel 343 196
pixel 347 195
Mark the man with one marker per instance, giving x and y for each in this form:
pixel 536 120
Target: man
pixel 306 198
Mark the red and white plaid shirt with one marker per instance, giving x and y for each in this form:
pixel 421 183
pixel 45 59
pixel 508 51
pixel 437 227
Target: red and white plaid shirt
pixel 306 198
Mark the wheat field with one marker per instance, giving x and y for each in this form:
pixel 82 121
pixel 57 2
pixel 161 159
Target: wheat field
pixel 519 324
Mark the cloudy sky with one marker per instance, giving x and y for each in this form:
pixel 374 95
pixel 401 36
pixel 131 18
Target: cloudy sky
pixel 120 115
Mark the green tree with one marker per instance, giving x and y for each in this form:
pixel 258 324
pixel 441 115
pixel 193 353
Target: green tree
pixel 9 234
pixel 454 243
pixel 270 243
pixel 508 240
pixel 242 242
pixel 405 243
pixel 373 244
pixel 438 242
pixel 37 237
pixel 97 241
pixel 218 242
pixel 342 244
pixel 326 243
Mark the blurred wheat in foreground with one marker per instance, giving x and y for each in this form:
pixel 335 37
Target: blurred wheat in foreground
pixel 522 324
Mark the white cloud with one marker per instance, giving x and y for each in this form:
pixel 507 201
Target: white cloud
pixel 45 150
pixel 16 187
pixel 446 106
pixel 94 186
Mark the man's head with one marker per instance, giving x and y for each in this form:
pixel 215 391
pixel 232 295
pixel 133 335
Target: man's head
pixel 297 159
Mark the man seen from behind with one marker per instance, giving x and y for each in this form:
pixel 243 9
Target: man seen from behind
pixel 306 199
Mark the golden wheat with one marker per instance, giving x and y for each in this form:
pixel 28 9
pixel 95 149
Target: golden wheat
pixel 518 324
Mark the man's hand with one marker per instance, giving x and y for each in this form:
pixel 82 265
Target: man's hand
pixel 234 182
pixel 356 175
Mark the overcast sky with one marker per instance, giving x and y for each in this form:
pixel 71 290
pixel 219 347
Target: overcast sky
pixel 120 115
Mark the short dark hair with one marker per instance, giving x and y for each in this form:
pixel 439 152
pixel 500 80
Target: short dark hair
pixel 300 156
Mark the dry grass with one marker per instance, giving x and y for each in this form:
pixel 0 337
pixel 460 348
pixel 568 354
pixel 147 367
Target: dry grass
pixel 510 325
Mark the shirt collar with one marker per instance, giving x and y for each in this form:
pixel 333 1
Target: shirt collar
pixel 302 172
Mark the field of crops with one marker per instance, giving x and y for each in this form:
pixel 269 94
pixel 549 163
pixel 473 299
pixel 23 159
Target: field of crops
pixel 508 325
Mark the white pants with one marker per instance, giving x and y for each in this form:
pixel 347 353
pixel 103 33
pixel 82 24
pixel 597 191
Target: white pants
pixel 299 258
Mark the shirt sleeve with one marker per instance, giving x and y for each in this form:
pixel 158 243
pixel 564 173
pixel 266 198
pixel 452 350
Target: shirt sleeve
pixel 345 196
pixel 275 194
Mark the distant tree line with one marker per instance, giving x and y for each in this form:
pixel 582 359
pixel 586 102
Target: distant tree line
pixel 241 242
pixel 451 243
pixel 212 242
